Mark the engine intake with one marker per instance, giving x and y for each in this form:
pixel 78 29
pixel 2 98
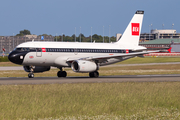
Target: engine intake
pixel 83 66
pixel 37 68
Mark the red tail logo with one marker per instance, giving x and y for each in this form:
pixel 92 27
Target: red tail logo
pixel 135 29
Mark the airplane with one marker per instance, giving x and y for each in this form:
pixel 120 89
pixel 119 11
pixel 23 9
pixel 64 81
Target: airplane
pixel 39 56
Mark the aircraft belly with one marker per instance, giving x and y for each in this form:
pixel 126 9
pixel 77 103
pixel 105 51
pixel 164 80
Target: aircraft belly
pixel 44 60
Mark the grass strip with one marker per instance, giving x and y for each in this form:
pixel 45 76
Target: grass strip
pixel 100 101
pixel 4 59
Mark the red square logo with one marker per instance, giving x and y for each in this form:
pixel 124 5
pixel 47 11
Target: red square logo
pixel 135 29
pixel 43 49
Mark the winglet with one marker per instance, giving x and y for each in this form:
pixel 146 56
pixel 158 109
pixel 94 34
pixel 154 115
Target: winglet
pixel 169 50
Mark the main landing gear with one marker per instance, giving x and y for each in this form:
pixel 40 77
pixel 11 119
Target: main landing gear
pixel 31 75
pixel 61 73
pixel 94 74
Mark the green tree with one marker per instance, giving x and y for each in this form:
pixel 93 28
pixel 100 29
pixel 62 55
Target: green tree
pixel 82 35
pixel 44 35
pixel 95 36
pixel 73 37
pixel 24 32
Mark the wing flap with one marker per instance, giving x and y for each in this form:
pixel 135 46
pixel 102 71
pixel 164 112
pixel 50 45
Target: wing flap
pixel 112 56
pixel 122 55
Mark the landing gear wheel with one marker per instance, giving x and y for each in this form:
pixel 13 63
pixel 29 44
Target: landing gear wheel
pixel 64 73
pixel 91 74
pixel 94 74
pixel 31 75
pixel 61 74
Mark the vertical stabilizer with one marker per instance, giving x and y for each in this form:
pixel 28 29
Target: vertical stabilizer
pixel 131 35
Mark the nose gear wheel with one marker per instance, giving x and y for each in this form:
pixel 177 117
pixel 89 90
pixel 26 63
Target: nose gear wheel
pixel 31 75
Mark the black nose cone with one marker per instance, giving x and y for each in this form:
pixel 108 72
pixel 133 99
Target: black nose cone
pixel 16 58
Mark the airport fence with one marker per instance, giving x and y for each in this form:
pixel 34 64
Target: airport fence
pixel 8 43
pixel 164 54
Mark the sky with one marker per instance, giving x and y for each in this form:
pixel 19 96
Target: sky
pixel 57 17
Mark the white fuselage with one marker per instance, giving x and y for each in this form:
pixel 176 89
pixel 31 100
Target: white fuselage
pixel 58 53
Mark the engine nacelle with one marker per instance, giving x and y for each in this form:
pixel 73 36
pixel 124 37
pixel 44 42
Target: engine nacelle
pixel 83 66
pixel 37 68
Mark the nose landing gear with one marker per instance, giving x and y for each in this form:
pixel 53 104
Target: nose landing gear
pixel 31 75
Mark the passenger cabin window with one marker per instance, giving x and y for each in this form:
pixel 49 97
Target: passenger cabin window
pixel 32 49
pixel 38 49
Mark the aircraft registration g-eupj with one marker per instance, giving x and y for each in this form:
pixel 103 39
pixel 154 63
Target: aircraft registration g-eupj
pixel 82 57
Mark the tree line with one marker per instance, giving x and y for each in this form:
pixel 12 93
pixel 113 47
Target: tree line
pixel 82 38
pixel 73 38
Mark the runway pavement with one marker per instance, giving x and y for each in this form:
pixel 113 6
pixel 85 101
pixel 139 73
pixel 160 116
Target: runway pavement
pixel 115 65
pixel 101 79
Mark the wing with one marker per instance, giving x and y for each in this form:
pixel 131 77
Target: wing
pixel 112 56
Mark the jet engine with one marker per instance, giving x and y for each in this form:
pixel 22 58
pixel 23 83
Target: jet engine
pixel 37 69
pixel 84 66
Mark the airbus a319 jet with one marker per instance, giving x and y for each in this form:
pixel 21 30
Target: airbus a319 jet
pixel 39 56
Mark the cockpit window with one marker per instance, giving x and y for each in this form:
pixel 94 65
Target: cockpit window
pixel 18 49
pixel 25 49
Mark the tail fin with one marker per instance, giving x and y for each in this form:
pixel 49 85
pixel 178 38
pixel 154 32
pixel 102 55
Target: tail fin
pixel 131 34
